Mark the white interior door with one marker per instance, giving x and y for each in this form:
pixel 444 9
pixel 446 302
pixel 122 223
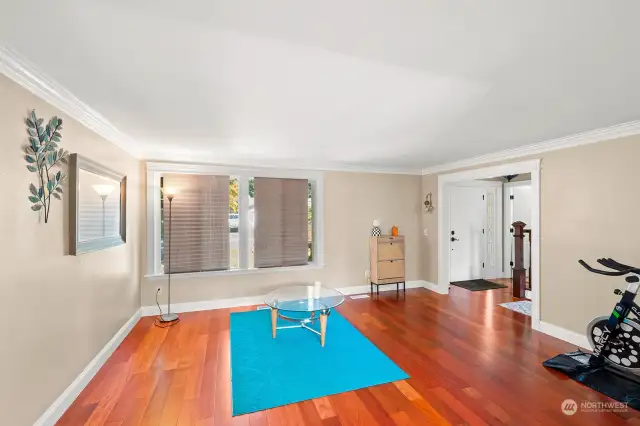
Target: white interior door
pixel 467 243
pixel 518 208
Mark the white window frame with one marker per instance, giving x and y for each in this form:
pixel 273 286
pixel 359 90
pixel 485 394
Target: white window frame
pixel 156 170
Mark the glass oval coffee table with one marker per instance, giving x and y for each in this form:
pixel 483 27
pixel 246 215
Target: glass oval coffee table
pixel 312 301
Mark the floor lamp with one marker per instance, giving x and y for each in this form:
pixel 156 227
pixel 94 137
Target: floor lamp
pixel 103 191
pixel 169 317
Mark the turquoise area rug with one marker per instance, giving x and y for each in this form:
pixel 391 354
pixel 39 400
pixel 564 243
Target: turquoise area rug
pixel 293 367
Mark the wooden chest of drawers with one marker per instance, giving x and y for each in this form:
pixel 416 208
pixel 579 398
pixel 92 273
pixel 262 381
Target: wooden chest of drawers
pixel 386 260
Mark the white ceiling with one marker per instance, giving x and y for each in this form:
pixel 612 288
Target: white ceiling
pixel 362 83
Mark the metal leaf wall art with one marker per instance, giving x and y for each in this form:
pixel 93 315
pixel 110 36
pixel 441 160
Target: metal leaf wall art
pixel 44 156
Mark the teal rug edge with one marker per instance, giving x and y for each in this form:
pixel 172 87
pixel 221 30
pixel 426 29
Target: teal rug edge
pixel 277 388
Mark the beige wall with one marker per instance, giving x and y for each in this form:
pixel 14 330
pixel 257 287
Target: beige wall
pixel 429 243
pixel 589 209
pixel 58 311
pixel 351 202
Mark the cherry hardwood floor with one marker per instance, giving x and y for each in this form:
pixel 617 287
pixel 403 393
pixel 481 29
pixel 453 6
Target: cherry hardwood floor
pixel 471 362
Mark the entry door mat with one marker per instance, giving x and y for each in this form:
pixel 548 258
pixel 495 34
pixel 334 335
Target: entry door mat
pixel 622 386
pixel 521 306
pixel 478 285
pixel 293 367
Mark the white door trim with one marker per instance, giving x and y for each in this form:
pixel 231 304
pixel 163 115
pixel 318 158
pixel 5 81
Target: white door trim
pixel 445 180
pixel 520 183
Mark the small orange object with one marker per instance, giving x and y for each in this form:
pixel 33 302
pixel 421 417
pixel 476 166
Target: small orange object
pixel 394 231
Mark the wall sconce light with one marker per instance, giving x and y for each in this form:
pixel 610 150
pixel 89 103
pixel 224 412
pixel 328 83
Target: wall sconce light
pixel 428 203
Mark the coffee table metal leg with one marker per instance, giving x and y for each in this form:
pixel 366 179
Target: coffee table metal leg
pixel 323 327
pixel 274 321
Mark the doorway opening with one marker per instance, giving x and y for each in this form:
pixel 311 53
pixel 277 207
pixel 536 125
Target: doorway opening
pixel 476 241
pixel 483 242
pixel 516 203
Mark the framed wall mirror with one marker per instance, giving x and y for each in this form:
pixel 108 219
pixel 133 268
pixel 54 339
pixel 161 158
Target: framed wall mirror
pixel 97 206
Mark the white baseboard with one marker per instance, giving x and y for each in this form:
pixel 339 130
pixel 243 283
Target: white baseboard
pixel 233 302
pixel 564 334
pixel 436 288
pixel 205 305
pixel 64 401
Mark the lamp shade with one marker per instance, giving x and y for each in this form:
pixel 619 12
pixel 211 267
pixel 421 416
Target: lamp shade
pixel 170 191
pixel 103 190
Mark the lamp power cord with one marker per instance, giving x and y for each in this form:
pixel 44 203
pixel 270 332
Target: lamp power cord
pixel 157 322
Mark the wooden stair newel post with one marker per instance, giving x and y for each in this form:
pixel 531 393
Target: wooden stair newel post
pixel 519 272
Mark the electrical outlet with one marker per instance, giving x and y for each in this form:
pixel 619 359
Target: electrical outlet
pixel 158 290
pixel 367 274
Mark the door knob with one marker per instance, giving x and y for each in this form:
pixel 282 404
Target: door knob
pixel 454 239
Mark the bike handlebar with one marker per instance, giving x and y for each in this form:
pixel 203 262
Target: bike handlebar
pixel 612 264
pixel 618 265
pixel 619 268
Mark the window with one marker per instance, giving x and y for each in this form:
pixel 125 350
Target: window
pixel 225 220
pixel 234 224
pixel 195 226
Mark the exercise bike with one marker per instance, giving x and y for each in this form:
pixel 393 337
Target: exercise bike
pixel 615 339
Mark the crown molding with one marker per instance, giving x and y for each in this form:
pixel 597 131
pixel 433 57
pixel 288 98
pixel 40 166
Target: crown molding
pixel 232 170
pixel 234 166
pixel 606 133
pixel 19 69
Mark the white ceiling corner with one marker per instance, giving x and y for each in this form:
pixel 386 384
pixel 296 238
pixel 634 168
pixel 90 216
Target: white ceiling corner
pixel 25 73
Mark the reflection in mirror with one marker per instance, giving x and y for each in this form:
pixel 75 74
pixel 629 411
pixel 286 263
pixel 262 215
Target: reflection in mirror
pixel 98 206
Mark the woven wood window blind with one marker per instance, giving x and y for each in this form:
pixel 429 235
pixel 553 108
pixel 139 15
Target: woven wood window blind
pixel 199 223
pixel 281 228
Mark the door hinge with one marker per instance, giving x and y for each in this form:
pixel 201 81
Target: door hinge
pixel 483 196
pixel 483 230
pixel 511 197
pixel 483 264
